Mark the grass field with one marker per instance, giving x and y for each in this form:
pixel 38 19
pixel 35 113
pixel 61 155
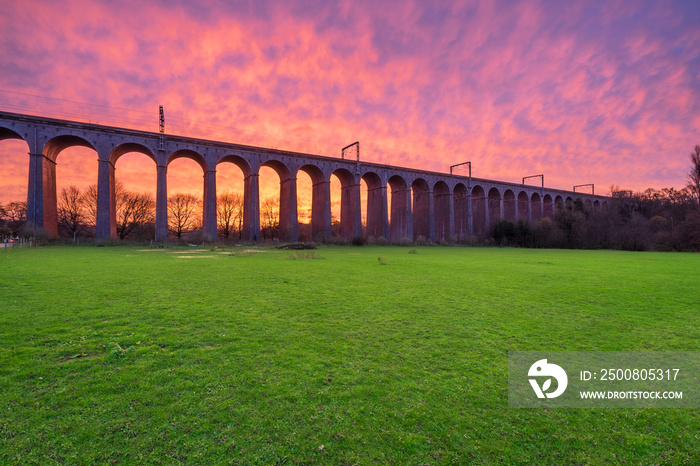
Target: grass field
pixel 231 356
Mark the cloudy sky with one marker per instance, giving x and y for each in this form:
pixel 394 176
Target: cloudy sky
pixel 589 91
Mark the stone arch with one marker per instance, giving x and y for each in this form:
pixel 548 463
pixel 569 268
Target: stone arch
pixel 548 206
pixel 238 161
pixel 460 198
pixel 249 228
pixel 188 154
pixel 42 199
pixel 480 211
pixel 588 205
pixel 596 205
pixel 400 224
pixel 320 203
pixel 7 133
pixel 495 210
pixel 558 202
pixel 376 206
pixel 350 220
pixel 207 221
pixel 56 145
pixel 509 206
pixel 288 225
pixel 127 147
pixel 442 200
pixel 569 201
pixel 421 209
pixel 114 156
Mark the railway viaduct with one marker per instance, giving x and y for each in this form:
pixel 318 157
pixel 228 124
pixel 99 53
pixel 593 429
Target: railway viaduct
pixel 435 206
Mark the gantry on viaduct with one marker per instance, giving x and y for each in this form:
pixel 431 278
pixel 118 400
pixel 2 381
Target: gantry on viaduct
pixel 435 206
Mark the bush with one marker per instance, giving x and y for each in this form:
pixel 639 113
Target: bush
pixel 422 240
pixel 405 242
pixel 357 241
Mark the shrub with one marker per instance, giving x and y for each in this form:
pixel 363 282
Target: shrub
pixel 405 242
pixel 358 241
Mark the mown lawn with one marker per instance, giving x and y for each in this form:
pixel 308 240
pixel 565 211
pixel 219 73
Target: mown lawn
pixel 231 356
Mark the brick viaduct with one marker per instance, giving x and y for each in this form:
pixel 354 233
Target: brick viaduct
pixel 432 205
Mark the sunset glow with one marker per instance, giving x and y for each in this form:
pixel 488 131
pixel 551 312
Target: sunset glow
pixel 585 92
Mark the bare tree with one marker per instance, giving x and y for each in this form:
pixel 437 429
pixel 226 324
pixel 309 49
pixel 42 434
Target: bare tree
pixel 229 213
pixel 134 210
pixel 71 213
pixel 90 204
pixel 16 212
pixel 184 212
pixel 269 213
pixel 13 216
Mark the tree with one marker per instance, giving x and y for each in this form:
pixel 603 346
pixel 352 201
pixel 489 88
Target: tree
pixel 16 212
pixel 694 176
pixel 183 213
pixel 134 210
pixel 90 204
pixel 269 214
pixel 229 213
pixel 13 216
pixel 71 212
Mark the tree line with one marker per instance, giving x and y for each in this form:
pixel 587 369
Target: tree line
pixel 665 219
pixel 135 215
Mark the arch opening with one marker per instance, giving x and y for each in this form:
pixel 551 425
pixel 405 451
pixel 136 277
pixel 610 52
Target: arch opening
pixel 509 206
pixel 421 210
pixel 443 210
pixel 348 204
pixel 277 202
pixel 376 207
pixel 479 211
pixel 400 225
pixel 524 210
pixel 233 199
pixel 133 201
pixel 548 206
pixel 314 210
pixel 536 207
pixel 461 211
pixel 185 193
pixel 495 206
pixel 67 209
pixel 13 191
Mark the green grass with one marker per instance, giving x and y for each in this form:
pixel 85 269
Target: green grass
pixel 193 356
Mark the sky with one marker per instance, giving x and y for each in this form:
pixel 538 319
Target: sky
pixel 590 91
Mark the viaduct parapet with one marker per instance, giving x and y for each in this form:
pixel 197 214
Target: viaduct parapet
pixel 435 206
